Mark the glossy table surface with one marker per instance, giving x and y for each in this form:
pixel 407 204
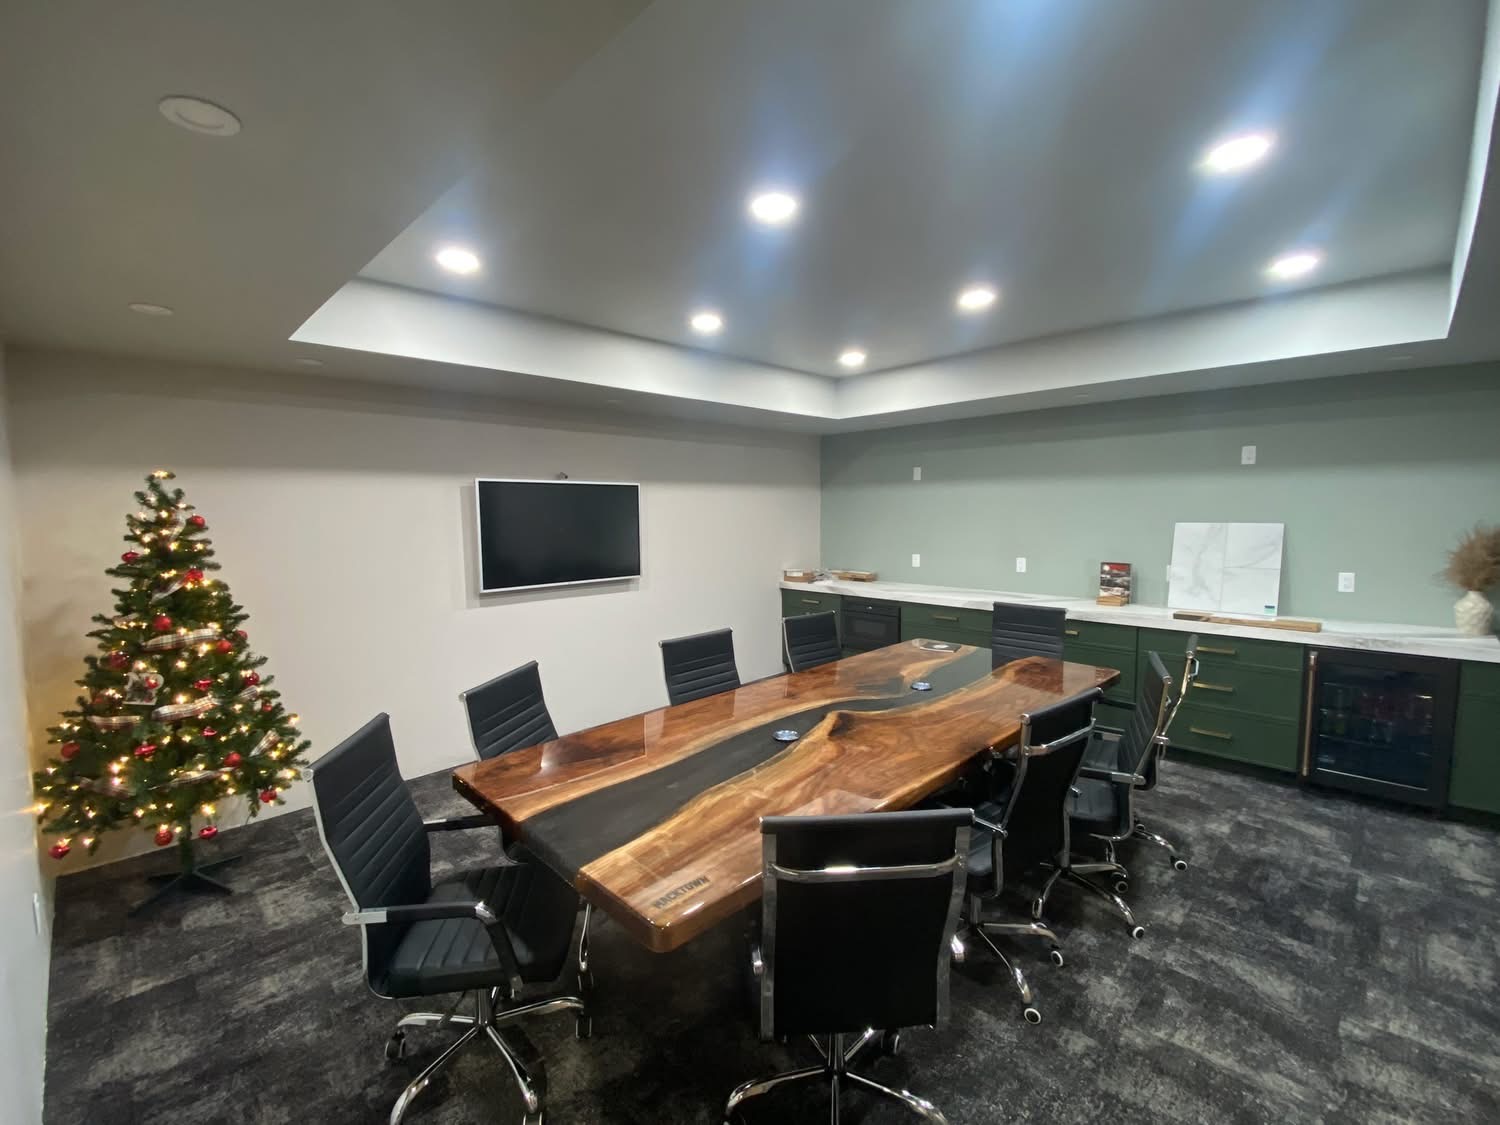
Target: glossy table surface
pixel 655 819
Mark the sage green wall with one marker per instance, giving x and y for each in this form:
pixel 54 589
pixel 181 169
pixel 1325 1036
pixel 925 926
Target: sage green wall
pixel 1377 474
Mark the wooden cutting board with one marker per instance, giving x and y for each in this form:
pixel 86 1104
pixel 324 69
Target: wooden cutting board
pixel 1297 624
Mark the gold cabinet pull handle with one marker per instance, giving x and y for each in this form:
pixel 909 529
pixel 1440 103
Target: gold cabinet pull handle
pixel 1211 733
pixel 1216 651
pixel 811 601
pixel 1070 632
pixel 1201 686
pixel 944 617
pixel 1307 712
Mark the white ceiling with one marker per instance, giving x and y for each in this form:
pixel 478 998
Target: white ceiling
pixel 597 154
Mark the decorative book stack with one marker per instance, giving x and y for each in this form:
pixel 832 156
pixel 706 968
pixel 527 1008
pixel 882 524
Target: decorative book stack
pixel 1114 583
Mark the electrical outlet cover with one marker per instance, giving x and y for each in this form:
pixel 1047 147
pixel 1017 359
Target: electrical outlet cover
pixel 916 560
pixel 1020 565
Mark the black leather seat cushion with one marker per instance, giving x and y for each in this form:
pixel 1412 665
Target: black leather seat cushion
pixel 1105 751
pixel 1097 805
pixel 456 954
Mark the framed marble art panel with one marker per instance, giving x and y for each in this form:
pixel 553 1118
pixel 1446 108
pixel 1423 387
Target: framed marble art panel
pixel 1226 567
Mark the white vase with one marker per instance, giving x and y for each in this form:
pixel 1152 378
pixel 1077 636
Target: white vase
pixel 1473 614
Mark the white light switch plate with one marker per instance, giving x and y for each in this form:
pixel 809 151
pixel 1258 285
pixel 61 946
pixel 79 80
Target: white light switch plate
pixel 916 560
pixel 1020 565
pixel 1247 455
pixel 1346 581
pixel 916 472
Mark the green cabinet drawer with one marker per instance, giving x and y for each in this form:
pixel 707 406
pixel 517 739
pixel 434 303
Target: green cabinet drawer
pixel 795 603
pixel 917 618
pixel 1123 689
pixel 1099 634
pixel 1220 651
pixel 1475 678
pixel 949 634
pixel 1272 693
pixel 1242 738
pixel 1475 780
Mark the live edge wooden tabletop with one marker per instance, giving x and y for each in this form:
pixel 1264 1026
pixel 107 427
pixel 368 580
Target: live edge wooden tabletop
pixel 656 818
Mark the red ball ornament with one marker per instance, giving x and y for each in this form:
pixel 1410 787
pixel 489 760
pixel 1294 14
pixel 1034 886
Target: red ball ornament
pixel 152 682
pixel 207 832
pixel 267 796
pixel 193 575
pixel 163 836
pixel 118 660
pixel 204 684
pixel 252 678
pixel 69 751
pixel 197 521
pixel 130 556
pixel 145 750
pixel 162 623
pixel 57 851
pixel 242 635
pixel 233 759
pixel 209 732
pixel 224 646
pixel 268 706
pixel 100 700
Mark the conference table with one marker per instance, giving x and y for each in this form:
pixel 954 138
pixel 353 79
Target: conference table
pixel 655 818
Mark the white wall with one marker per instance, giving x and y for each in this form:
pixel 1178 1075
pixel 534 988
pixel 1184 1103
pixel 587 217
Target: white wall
pixel 342 514
pixel 24 953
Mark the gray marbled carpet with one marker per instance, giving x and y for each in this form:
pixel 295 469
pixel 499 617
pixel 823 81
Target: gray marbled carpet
pixel 1322 960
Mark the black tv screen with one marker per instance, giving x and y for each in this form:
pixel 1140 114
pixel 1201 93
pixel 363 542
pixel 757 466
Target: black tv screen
pixel 553 533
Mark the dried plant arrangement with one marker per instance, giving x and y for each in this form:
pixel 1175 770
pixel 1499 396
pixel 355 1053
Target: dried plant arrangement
pixel 1475 563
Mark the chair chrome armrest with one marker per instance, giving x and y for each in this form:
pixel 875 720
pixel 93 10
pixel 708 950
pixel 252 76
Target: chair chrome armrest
pixel 480 911
pixel 1109 731
pixel 457 823
pixel 1114 776
pixel 989 826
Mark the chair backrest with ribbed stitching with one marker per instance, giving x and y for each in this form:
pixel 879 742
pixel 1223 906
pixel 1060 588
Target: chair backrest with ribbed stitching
pixel 1050 753
pixel 372 832
pixel 700 665
pixel 1018 631
pixel 1150 717
pixel 508 712
pixel 810 640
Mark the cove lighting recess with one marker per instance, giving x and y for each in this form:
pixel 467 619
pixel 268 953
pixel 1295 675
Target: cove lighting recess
pixel 198 116
pixel 1236 154
pixel 146 308
pixel 1289 267
pixel 457 259
pixel 977 298
pixel 774 208
pixel 706 322
pixel 852 358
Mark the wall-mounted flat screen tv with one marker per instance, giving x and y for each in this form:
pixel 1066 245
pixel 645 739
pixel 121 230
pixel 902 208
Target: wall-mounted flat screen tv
pixel 556 533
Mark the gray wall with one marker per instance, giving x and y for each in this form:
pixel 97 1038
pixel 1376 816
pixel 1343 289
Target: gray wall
pixel 1377 474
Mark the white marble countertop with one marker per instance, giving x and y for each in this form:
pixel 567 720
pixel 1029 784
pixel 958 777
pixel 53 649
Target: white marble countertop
pixel 1412 640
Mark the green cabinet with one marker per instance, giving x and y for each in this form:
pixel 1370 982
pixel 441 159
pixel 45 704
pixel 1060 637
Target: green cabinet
pixel 797 603
pixel 1105 646
pixel 1246 702
pixel 941 623
pixel 1475 780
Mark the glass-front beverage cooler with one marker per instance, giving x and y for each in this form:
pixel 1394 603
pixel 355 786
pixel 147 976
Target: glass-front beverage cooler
pixel 1379 724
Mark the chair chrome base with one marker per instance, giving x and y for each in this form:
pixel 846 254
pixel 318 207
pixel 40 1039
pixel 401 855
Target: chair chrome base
pixel 976 926
pixel 495 1023
pixel 1141 832
pixel 835 1071
pixel 1075 873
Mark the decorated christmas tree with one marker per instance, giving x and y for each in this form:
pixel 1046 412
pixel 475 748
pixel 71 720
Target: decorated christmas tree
pixel 175 723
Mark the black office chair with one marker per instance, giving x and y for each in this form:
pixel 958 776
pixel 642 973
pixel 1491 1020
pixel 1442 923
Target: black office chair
pixel 1153 763
pixel 1027 826
pixel 1102 806
pixel 858 915
pixel 492 931
pixel 1017 631
pixel 810 640
pixel 700 665
pixel 508 712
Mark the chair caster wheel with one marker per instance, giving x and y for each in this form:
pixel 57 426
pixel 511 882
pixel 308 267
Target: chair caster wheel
pixel 890 1043
pixel 1179 864
pixel 1138 932
pixel 1032 1015
pixel 395 1046
pixel 583 1027
pixel 1057 956
pixel 1122 886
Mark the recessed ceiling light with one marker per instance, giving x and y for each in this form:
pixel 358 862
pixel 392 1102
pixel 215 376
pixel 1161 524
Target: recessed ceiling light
pixel 145 308
pixel 852 357
pixel 457 259
pixel 309 361
pixel 773 208
pixel 706 322
pixel 977 298
pixel 199 116
pixel 1291 266
pixel 1237 153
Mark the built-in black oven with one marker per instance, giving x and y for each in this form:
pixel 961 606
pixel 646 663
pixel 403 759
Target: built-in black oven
pixel 869 624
